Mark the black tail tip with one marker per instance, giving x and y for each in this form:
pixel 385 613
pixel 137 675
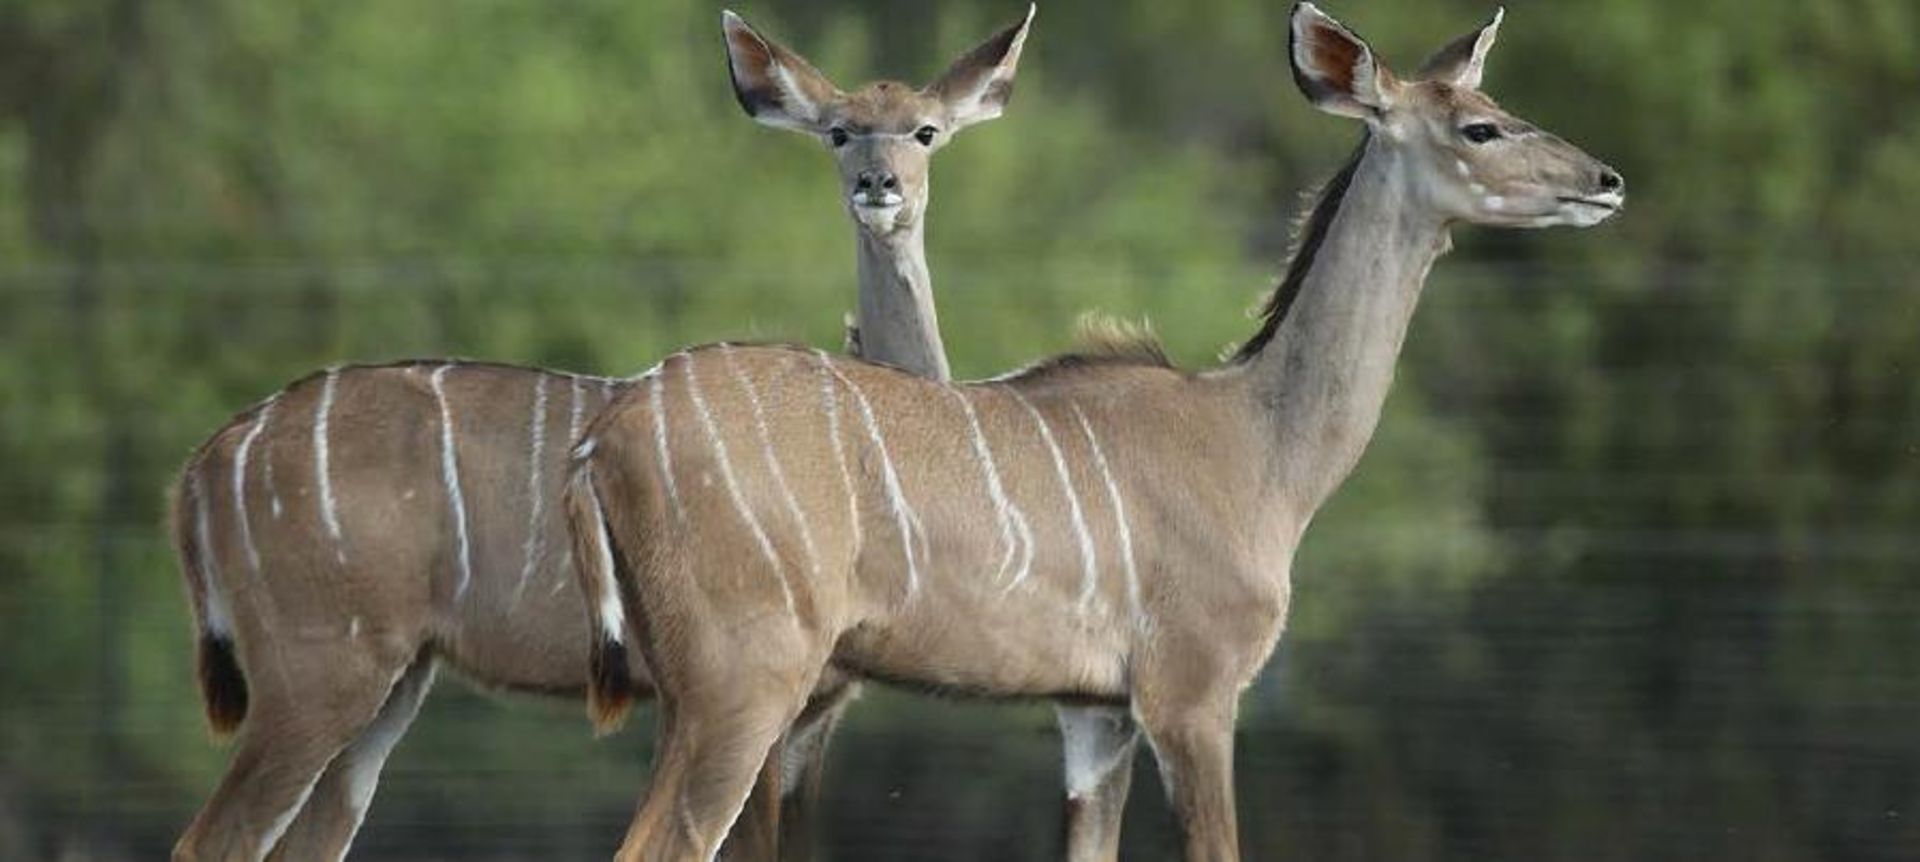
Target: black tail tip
pixel 610 690
pixel 222 684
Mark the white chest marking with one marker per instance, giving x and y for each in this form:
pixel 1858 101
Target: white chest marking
pixel 733 486
pixel 657 406
pixel 832 403
pixel 904 517
pixel 240 478
pixel 450 475
pixel 536 449
pixel 1015 534
pixel 1119 515
pixel 773 459
pixel 1090 564
pixel 322 464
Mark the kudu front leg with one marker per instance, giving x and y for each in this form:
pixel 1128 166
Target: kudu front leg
pixel 1099 743
pixel 1194 744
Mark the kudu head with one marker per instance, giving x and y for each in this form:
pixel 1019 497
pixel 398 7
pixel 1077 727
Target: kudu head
pixel 883 134
pixel 1471 161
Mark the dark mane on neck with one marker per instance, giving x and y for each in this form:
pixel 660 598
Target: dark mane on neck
pixel 1104 343
pixel 1312 231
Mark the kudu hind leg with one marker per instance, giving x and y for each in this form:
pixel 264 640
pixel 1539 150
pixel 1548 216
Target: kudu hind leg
pixel 714 748
pixel 327 823
pixel 803 760
pixel 1099 742
pixel 287 742
pixel 1193 741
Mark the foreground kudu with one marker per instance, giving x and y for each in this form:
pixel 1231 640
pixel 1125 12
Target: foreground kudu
pixel 1097 528
pixel 365 524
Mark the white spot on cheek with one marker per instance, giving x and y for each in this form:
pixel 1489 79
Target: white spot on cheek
pixel 1496 202
pixel 1476 188
pixel 1460 167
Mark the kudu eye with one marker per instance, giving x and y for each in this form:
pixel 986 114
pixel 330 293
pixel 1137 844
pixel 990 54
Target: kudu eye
pixel 838 136
pixel 1480 133
pixel 925 134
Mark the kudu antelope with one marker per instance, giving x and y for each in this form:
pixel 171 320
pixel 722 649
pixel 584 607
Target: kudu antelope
pixel 1096 528
pixel 366 524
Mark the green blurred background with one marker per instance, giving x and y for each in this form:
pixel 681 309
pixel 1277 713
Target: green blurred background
pixel 1628 574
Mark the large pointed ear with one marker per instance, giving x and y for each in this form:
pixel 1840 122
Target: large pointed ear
pixel 1335 69
pixel 977 86
pixel 1463 60
pixel 775 85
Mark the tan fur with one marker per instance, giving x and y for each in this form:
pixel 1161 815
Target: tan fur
pixel 337 633
pixel 1127 543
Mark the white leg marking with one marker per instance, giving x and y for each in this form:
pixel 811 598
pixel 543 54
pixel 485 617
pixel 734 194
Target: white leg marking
pixel 656 404
pixel 773 460
pixel 219 617
pixel 450 474
pixel 1119 516
pixel 733 487
pixel 240 479
pixel 1014 532
pixel 322 465
pixel 832 402
pixel 904 516
pixel 279 825
pixel 1096 741
pixel 1090 564
pixel 613 618
pixel 536 451
pixel 369 752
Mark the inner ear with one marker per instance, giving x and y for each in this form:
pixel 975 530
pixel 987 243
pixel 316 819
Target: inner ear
pixel 1335 69
pixel 774 85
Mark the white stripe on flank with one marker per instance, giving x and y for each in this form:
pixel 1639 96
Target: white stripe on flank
pixel 1119 515
pixel 733 487
pixel 273 490
pixel 219 617
pixel 240 479
pixel 536 448
pixel 573 415
pixel 1087 559
pixel 773 460
pixel 450 474
pixel 329 513
pixel 656 404
pixel 903 513
pixel 832 402
pixel 1014 532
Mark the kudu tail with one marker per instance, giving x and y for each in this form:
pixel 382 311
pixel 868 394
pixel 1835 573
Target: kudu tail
pixel 223 687
pixel 596 565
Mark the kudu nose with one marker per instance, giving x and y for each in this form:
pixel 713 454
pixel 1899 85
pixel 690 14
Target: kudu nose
pixel 870 181
pixel 1610 181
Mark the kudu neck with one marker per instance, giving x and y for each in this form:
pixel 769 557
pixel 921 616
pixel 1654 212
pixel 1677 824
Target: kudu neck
pixel 1323 377
pixel 896 317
